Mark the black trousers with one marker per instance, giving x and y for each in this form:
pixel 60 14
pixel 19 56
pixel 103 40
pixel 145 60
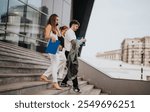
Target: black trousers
pixel 74 81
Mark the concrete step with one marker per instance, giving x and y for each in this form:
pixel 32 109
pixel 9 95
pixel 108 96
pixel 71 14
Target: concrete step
pixel 12 64
pixel 80 79
pixel 21 61
pixel 86 89
pixel 22 69
pixel 104 94
pixel 6 55
pixel 23 88
pixel 18 75
pixel 80 82
pixel 8 64
pixel 22 53
pixel 65 90
pixel 52 91
pixel 95 92
pixel 70 91
pixel 10 46
pixel 13 78
pixel 15 50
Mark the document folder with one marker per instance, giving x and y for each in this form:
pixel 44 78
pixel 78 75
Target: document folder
pixel 52 47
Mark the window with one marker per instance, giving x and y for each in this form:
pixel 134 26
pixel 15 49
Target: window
pixel 132 46
pixel 132 62
pixel 132 54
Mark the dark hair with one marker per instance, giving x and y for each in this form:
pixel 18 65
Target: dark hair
pixel 51 21
pixel 63 28
pixel 74 22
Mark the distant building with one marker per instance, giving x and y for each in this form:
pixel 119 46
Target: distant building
pixel 114 55
pixel 136 51
pixel 133 51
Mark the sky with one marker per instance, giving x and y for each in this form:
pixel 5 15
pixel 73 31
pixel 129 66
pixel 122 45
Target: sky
pixel 112 21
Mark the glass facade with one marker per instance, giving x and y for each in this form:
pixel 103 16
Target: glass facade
pixel 22 21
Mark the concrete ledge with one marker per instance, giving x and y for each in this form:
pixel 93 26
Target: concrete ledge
pixel 111 85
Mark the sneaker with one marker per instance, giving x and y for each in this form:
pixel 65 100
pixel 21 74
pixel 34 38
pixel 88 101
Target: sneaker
pixel 76 90
pixel 64 85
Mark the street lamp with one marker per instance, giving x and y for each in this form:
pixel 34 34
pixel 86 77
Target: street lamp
pixel 142 61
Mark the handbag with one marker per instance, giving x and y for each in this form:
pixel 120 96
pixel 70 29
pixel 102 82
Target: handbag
pixel 52 47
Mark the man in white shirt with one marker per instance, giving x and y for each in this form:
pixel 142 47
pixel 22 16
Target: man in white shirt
pixel 69 36
pixel 70 42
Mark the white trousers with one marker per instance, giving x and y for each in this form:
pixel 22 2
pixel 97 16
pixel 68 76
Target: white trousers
pixel 53 68
pixel 58 64
pixel 62 64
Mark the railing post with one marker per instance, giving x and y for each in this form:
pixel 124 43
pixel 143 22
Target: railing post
pixel 141 71
pixel 142 61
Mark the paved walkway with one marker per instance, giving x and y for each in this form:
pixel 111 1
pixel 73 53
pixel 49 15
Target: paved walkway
pixel 113 69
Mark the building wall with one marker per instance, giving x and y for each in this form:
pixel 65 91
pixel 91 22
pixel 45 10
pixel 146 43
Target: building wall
pixel 136 51
pixel 114 55
pixel 60 7
pixel 29 17
pixel 133 51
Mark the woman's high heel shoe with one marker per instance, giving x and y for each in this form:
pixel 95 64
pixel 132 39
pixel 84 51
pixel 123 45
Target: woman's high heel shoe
pixel 56 86
pixel 44 78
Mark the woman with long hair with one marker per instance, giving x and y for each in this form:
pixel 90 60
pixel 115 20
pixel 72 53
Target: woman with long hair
pixel 52 32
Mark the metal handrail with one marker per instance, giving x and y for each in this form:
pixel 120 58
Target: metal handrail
pixel 22 35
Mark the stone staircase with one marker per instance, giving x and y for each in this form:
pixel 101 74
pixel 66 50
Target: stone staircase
pixel 21 68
